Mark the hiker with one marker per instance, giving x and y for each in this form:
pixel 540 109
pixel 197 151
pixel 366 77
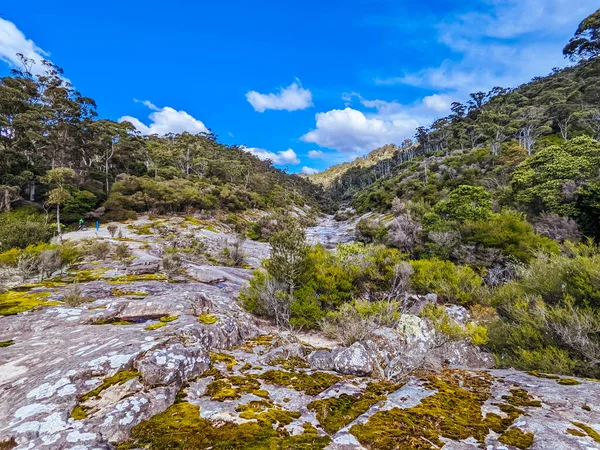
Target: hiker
pixel 80 225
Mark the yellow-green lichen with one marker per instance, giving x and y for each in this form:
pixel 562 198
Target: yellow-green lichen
pixel 517 438
pixel 181 427
pixel 6 343
pixel 588 430
pixel 118 378
pixel 250 344
pixel 112 321
pixel 577 433
pixel 335 413
pixel 78 413
pixel 568 382
pixel 14 302
pixel 453 412
pixel 586 407
pixel 126 279
pixel 161 322
pixel 207 319
pixel 535 373
pixel 310 383
pixel 217 358
pixel 246 367
pixel 116 292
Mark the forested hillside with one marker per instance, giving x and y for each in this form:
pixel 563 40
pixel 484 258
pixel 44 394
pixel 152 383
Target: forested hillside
pixel 503 141
pixel 56 153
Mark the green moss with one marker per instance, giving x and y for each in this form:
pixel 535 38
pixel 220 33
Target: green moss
pixel 250 344
pixel 181 427
pixel 14 302
pixel 291 363
pixel 311 384
pixel 6 343
pixel 118 378
pixel 155 326
pixel 453 412
pixel 207 319
pixel 586 407
pixel 517 438
pixel 535 373
pixel 520 398
pixel 233 387
pixel 78 413
pixel 264 412
pixel 568 382
pixel 122 293
pixel 246 367
pixel 588 430
pixel 336 412
pixel 229 360
pixel 576 432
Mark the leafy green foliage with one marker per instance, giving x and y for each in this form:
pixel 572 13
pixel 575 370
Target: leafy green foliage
pixel 452 283
pixel 21 229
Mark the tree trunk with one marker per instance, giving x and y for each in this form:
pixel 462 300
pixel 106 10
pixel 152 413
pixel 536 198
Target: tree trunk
pixel 58 222
pixel 32 191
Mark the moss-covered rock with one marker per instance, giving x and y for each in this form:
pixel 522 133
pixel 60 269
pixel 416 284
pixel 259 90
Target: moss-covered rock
pixel 118 378
pixel 517 438
pixel 335 413
pixel 453 412
pixel 309 383
pixel 181 427
pixel 14 302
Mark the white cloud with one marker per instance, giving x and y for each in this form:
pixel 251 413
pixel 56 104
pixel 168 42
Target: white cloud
pixel 315 154
pixel 291 98
pixel 166 120
pixel 511 43
pixel 282 157
pixel 13 41
pixel 349 130
pixel 438 102
pixel 309 170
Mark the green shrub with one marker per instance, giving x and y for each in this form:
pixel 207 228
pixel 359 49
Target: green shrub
pixel 510 233
pixel 451 283
pixel 19 230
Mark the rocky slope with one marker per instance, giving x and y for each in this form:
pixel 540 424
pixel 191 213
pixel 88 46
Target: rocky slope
pixel 156 362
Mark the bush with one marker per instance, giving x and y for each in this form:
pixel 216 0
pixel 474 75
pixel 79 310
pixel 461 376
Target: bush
pixel 122 252
pixel 74 297
pixel 451 283
pixel 508 232
pixel 112 229
pixel 369 231
pixel 551 311
pixel 443 323
pixel 19 230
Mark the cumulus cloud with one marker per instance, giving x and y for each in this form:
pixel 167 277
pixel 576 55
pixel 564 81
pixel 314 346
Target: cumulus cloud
pixel 291 98
pixel 315 154
pixel 282 157
pixel 13 41
pixel 309 170
pixel 166 120
pixel 349 130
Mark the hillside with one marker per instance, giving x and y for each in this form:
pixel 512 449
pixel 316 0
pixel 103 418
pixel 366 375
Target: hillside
pixel 55 151
pixel 482 143
pixel 332 174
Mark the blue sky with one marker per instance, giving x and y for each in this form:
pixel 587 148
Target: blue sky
pixel 306 84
